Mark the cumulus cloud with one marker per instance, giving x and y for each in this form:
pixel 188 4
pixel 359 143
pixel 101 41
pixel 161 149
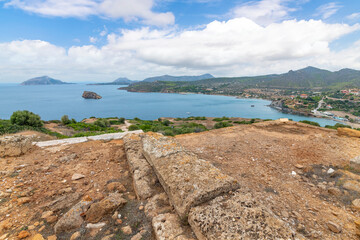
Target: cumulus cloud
pixel 231 48
pixel 134 10
pixel 328 9
pixel 263 12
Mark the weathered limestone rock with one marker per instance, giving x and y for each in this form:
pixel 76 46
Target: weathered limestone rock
pixel 13 146
pixel 91 95
pixel 98 210
pixel 352 185
pixel 144 178
pixel 158 204
pixel 72 219
pixel 168 226
pixel 348 132
pixel 187 180
pixel 236 216
pixel 355 163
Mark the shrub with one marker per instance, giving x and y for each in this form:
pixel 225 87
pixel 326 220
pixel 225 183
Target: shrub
pixel 103 123
pixel 65 120
pixel 26 118
pixel 166 122
pixel 73 120
pixel 133 128
pixel 220 119
pixel 310 123
pixel 122 120
pixel 222 125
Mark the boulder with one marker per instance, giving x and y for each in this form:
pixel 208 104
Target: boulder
pixel 236 216
pixel 91 95
pixel 348 132
pixel 73 218
pixel 14 146
pixel 187 180
pixel 98 210
pixel 355 163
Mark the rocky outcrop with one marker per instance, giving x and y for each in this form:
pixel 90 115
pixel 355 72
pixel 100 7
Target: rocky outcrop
pixel 187 180
pixel 91 95
pixel 236 216
pixel 168 226
pixel 13 146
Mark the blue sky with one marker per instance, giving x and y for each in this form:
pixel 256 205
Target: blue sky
pixel 100 40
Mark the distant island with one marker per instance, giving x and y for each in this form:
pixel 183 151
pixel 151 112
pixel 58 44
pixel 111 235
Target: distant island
pixel 91 95
pixel 168 78
pixel 44 80
pixel 119 81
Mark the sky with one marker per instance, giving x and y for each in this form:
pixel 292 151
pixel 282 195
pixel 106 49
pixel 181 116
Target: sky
pixel 101 40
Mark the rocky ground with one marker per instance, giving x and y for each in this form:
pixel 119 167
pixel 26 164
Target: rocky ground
pixel 298 172
pixel 39 188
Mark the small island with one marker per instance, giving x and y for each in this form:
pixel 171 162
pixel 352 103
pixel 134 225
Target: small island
pixel 44 80
pixel 91 95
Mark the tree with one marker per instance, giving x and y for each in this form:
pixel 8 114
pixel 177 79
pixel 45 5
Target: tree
pixel 65 120
pixel 26 118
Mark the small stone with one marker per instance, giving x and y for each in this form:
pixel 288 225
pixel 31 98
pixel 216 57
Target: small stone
pixel 357 223
pixel 334 227
pixel 47 214
pixel 51 219
pixel 356 203
pixel 77 176
pixel 116 187
pixel 41 229
pixel 138 236
pixel 36 224
pixel 31 227
pixel 330 171
pixel 141 208
pixel 53 237
pixel 23 234
pixel 108 237
pixel 126 230
pixel 299 166
pixel 115 215
pixel 75 236
pixel 23 200
pixel 97 225
pixel 38 237
pixel 119 221
pixel 293 173
pixel 334 191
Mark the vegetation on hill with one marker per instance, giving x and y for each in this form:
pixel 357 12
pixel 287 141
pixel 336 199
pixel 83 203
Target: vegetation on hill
pixel 169 78
pixel 307 79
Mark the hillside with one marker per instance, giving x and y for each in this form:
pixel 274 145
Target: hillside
pixel 307 78
pixel 119 81
pixel 169 78
pixel 44 80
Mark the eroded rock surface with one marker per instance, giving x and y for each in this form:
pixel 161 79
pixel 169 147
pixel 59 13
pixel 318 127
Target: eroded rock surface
pixel 13 146
pixel 236 216
pixel 187 180
pixel 168 226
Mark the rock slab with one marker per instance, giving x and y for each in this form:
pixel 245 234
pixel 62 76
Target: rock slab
pixel 236 216
pixel 13 146
pixel 187 180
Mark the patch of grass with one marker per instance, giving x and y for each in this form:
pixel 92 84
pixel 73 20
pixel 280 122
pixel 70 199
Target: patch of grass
pixel 310 123
pixel 222 125
pixel 221 119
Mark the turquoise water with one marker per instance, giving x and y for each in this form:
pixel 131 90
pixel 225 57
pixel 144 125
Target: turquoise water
pixel 52 102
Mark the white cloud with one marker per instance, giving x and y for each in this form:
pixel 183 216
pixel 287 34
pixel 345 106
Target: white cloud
pixel 134 10
pixel 263 12
pixel 93 39
pixel 354 16
pixel 234 48
pixel 327 10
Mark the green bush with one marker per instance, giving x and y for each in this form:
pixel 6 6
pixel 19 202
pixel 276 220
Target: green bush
pixel 133 128
pixel 222 125
pixel 310 123
pixel 26 118
pixel 221 119
pixel 65 120
pixel 103 123
pixel 166 122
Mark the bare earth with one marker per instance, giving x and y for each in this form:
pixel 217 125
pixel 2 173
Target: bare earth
pixel 283 165
pixel 262 159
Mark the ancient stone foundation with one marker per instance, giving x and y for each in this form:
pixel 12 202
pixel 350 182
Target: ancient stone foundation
pixel 201 195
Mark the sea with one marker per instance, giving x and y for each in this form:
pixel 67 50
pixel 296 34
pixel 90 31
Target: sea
pixel 53 101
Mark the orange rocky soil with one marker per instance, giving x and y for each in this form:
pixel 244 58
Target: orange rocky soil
pixel 297 171
pixel 296 178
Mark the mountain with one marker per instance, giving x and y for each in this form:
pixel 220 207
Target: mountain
pixel 119 81
pixel 44 80
pixel 307 78
pixel 169 78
